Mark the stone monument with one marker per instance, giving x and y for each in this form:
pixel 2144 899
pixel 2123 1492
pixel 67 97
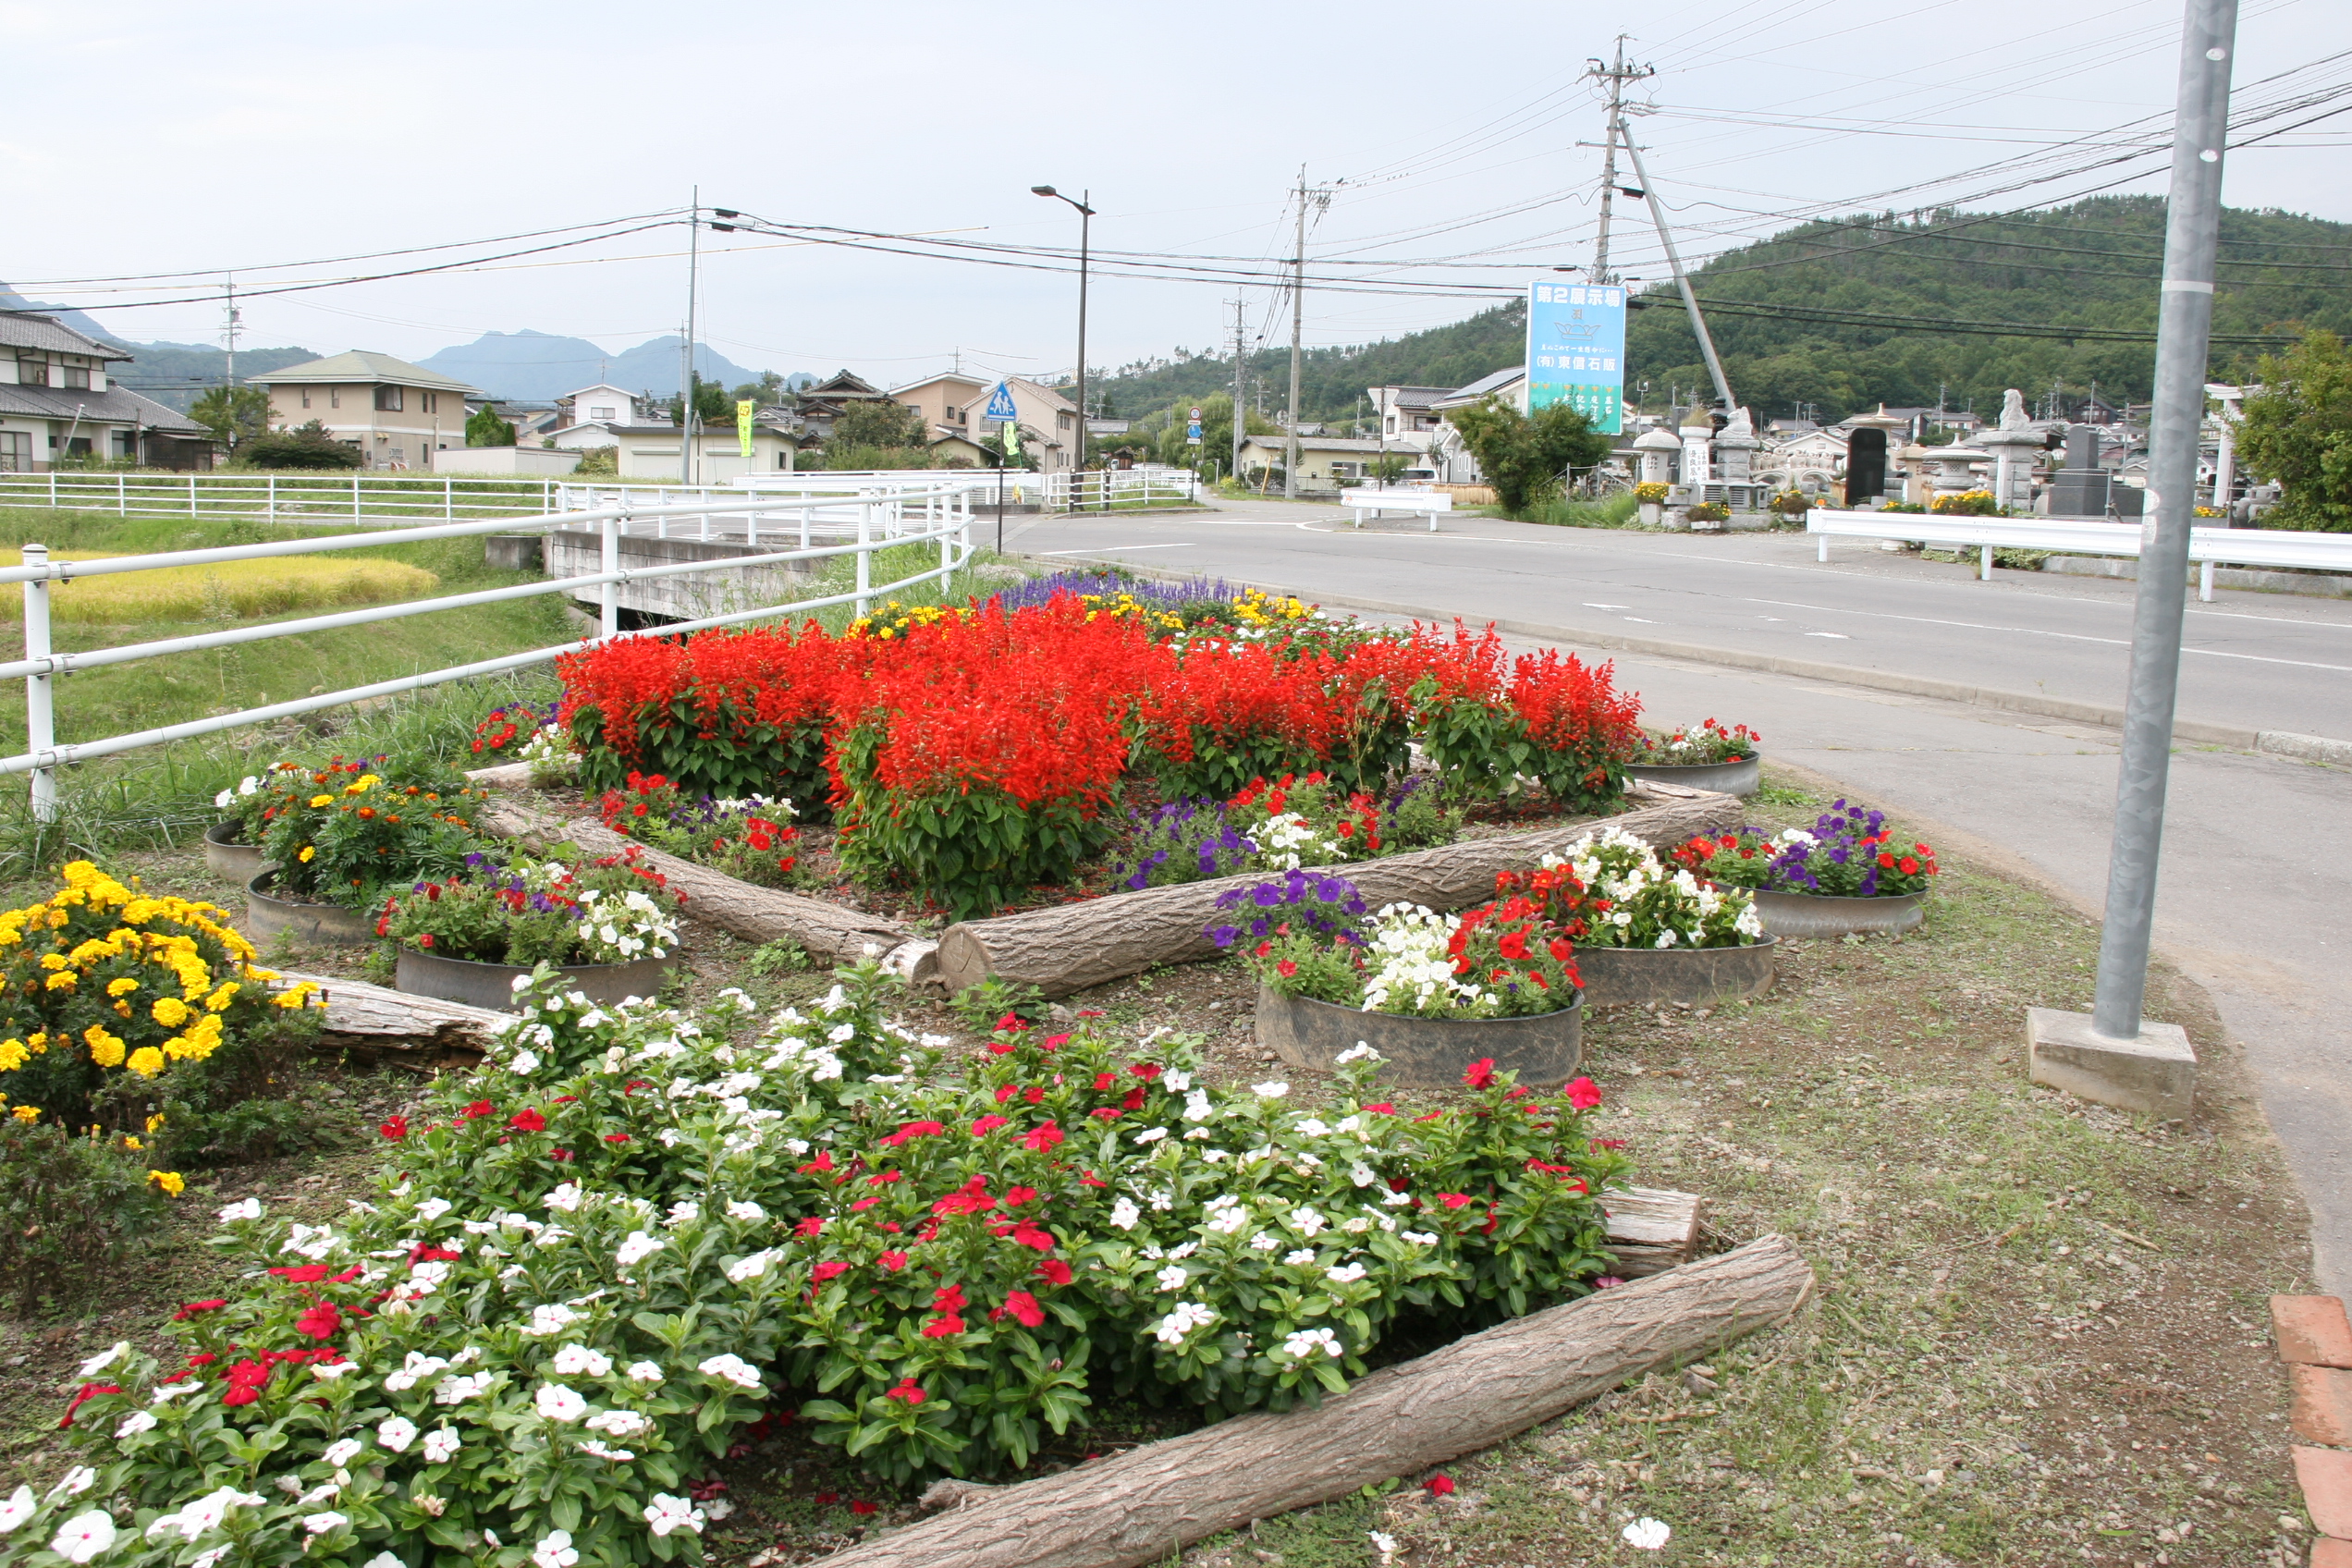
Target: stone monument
pixel 1737 445
pixel 2013 447
pixel 2080 488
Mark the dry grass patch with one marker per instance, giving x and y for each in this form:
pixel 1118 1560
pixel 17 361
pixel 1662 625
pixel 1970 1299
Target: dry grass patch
pixel 227 591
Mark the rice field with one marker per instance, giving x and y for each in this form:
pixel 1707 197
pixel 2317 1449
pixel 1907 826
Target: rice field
pixel 227 591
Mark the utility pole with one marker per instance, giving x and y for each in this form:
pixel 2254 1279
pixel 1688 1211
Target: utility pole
pixel 1681 281
pixel 1241 400
pixel 234 317
pixel 1616 75
pixel 1298 321
pixel 686 344
pixel 2183 327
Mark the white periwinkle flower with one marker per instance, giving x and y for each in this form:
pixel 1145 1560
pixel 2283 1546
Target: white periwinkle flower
pixel 580 1360
pixel 1187 1316
pixel 745 1211
pixel 395 1435
pixel 636 1248
pixel 105 1358
pixel 441 1445
pixel 645 1372
pixel 84 1536
pixel 732 1369
pixel 16 1510
pixel 1346 1274
pixel 667 1513
pixel 1172 1278
pixel 138 1421
pixel 554 1550
pixel 1361 1051
pixel 1307 1343
pixel 1273 1089
pixel 557 1403
pixel 1647 1535
pixel 319 1524
pixel 1299 1257
pixel 1123 1215
pixel 343 1451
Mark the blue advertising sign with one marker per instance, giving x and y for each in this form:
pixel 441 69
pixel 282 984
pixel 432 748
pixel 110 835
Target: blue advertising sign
pixel 1576 351
pixel 1000 404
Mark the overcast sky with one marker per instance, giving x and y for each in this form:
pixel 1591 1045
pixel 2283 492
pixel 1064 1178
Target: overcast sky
pixel 145 138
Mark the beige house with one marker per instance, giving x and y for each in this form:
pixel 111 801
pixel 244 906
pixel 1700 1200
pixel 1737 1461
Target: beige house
pixel 1325 462
pixel 397 413
pixel 57 402
pixel 952 405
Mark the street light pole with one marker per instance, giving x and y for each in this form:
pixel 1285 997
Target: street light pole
pixel 2184 326
pixel 1085 222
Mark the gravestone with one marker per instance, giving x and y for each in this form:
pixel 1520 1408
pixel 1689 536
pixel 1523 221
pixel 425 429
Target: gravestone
pixel 1866 465
pixel 2080 488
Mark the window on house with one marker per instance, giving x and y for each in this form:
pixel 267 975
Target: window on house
pixel 600 413
pixel 16 452
pixel 31 371
pixel 432 403
pixel 387 398
pixel 126 443
pixel 1062 421
pixel 77 378
pixel 306 397
pixel 334 396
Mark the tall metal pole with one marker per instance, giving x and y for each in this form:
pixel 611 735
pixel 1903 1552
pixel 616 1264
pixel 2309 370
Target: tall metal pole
pixel 1674 259
pixel 1238 397
pixel 686 344
pixel 2184 323
pixel 1298 319
pixel 1086 223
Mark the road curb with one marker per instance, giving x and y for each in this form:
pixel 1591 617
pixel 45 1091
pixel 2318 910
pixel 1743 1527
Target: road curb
pixel 2275 743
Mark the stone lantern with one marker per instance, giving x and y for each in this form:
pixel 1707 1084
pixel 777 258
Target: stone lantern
pixel 1955 472
pixel 1656 450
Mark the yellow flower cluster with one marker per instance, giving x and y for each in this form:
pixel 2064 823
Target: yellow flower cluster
pixel 1652 493
pixel 160 939
pixel 898 619
pixel 1257 608
pixel 1123 606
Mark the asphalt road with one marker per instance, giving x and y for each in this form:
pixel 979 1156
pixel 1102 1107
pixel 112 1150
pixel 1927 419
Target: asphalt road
pixel 2251 902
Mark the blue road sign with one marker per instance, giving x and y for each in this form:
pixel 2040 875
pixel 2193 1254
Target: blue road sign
pixel 1000 404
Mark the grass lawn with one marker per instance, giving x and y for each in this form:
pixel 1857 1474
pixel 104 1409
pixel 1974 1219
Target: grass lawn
pixel 2040 1337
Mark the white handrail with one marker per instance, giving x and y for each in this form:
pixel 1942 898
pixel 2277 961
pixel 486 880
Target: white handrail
pixel 944 515
pixel 2233 546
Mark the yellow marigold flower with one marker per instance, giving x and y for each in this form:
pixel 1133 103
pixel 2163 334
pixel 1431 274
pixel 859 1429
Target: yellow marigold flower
pixel 106 1049
pixel 220 1000
pixel 322 800
pixel 171 1011
pixel 171 1182
pixel 132 1143
pixel 52 961
pixel 121 987
pixel 27 1113
pixel 309 851
pixel 64 980
pixel 155 1123
pixel 146 1061
pixel 13 1055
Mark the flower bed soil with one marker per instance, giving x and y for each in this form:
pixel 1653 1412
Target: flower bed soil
pixel 2040 1337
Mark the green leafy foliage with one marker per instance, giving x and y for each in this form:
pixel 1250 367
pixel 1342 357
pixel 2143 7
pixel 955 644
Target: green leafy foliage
pixel 1524 456
pixel 72 1206
pixel 306 447
pixel 484 428
pixel 2297 431
pixel 233 414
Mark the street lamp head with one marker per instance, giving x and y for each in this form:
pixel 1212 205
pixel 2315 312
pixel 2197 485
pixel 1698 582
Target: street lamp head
pixel 1043 191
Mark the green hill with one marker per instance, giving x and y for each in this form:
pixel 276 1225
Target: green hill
pixel 1843 314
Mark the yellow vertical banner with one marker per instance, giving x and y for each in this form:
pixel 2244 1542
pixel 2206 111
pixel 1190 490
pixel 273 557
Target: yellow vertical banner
pixel 743 412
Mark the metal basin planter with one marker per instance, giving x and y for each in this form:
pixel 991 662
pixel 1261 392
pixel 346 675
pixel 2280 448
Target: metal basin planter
pixel 1656 976
pixel 1422 1053
pixel 1744 777
pixel 492 985
pixel 1815 914
pixel 230 858
pixel 266 915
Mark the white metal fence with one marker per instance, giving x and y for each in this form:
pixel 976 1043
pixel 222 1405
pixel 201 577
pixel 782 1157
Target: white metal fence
pixel 2207 546
pixel 299 499
pixel 940 514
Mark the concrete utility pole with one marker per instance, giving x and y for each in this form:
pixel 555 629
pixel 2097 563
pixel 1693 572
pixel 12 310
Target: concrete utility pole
pixel 1616 75
pixel 2184 326
pixel 234 317
pixel 1673 257
pixel 1298 321
pixel 1241 403
pixel 686 344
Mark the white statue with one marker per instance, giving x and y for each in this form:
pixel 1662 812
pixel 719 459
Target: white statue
pixel 2012 411
pixel 1743 425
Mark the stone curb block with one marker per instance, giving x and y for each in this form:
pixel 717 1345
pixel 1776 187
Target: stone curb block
pixel 2313 1331
pixel 2330 1552
pixel 2154 1073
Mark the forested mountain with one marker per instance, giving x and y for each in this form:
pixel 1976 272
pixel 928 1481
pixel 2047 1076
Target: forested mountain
pixel 1844 315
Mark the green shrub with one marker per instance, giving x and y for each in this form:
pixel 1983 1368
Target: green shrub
pixel 72 1206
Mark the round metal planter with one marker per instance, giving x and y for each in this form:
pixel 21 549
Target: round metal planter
pixel 230 859
pixel 492 985
pixel 1660 977
pixel 1813 914
pixel 266 915
pixel 1744 777
pixel 1545 1051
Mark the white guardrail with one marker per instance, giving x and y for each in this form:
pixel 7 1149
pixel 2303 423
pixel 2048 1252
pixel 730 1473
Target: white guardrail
pixel 814 529
pixel 2207 546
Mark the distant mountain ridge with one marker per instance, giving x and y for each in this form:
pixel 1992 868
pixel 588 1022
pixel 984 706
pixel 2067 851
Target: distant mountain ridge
pixel 536 367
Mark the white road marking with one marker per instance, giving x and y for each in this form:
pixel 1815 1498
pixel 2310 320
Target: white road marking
pixel 1100 549
pixel 1639 621
pixel 1591 605
pixel 2030 632
pixel 1839 636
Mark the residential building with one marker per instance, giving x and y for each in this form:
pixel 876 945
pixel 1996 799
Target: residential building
pixel 649 450
pixel 57 401
pixel 1325 462
pixel 821 402
pixel 396 413
pixel 1407 415
pixel 955 404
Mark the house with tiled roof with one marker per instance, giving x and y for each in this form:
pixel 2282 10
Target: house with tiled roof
pixel 59 404
pixel 396 413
